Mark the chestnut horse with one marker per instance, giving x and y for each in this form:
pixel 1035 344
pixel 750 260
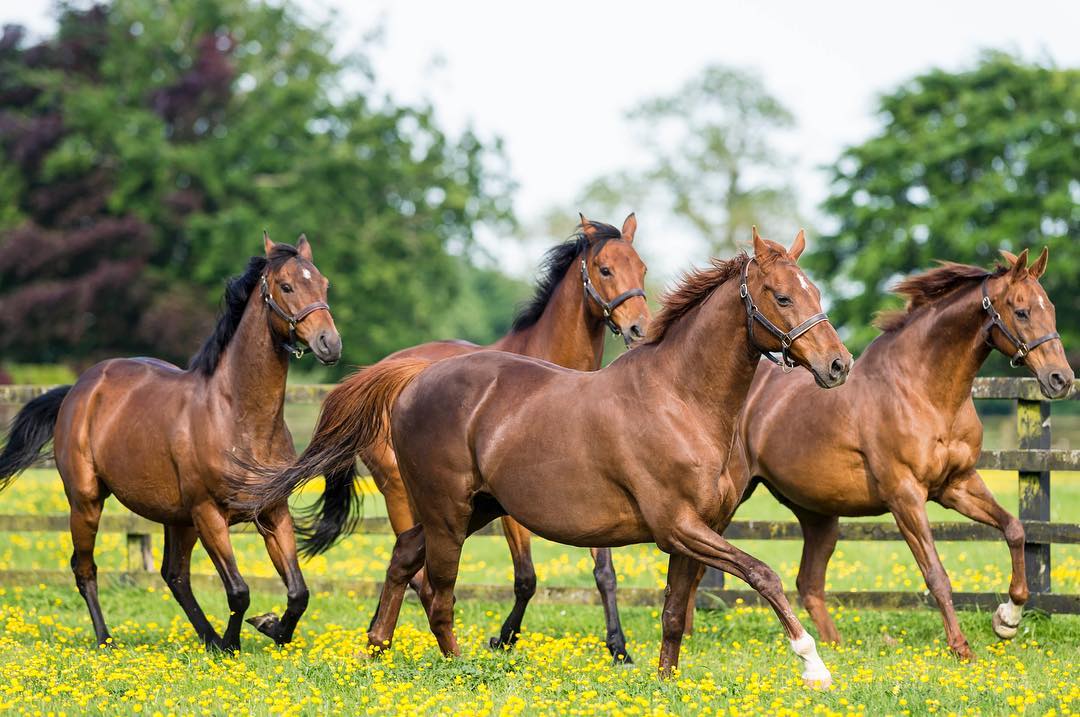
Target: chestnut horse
pixel 590 283
pixel 159 438
pixel 903 429
pixel 627 454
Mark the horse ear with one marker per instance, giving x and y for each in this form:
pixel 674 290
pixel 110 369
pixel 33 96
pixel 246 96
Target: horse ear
pixel 587 228
pixel 629 227
pixel 268 244
pixel 797 247
pixel 762 250
pixel 1019 267
pixel 1039 267
pixel 304 248
pixel 1008 256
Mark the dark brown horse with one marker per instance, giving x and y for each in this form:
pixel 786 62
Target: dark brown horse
pixel 160 439
pixel 903 429
pixel 627 454
pixel 589 284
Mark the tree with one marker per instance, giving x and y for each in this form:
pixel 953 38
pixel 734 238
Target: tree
pixel 713 162
pixel 149 144
pixel 965 164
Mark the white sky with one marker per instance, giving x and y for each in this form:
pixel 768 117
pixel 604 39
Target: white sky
pixel 554 78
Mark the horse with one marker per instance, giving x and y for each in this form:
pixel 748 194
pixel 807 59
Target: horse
pixel 160 439
pixel 589 284
pixel 627 454
pixel 903 429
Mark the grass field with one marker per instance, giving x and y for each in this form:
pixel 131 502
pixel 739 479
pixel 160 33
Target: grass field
pixel 892 662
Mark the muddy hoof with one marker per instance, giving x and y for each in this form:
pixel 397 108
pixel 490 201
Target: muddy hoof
pixel 497 643
pixel 267 623
pixel 817 682
pixel 1003 629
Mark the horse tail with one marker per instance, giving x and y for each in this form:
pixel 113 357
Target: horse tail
pixel 353 419
pixel 31 429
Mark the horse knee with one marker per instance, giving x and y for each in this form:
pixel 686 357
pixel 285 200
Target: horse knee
pixel 297 599
pixel 525 582
pixel 1014 533
pixel 604 571
pixel 239 598
pixel 764 580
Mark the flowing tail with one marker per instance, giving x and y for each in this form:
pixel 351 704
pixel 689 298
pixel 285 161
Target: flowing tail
pixel 30 431
pixel 353 418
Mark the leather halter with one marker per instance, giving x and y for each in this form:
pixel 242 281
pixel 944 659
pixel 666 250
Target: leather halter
pixel 292 345
pixel 1022 347
pixel 607 307
pixel 786 338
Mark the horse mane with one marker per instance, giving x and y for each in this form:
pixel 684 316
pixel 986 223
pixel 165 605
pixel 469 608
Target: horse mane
pixel 553 268
pixel 693 289
pixel 237 292
pixel 928 287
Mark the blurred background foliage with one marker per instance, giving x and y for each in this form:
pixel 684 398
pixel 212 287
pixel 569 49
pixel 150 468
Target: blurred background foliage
pixel 146 145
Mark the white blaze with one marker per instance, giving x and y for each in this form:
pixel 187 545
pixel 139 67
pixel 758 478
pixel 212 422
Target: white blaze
pixel 307 274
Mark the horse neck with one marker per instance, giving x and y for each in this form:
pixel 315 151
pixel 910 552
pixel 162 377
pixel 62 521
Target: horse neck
pixel 943 349
pixel 567 332
pixel 252 375
pixel 707 358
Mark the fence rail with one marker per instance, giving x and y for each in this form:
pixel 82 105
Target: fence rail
pixel 1034 460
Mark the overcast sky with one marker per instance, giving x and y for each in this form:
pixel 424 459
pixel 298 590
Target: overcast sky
pixel 553 78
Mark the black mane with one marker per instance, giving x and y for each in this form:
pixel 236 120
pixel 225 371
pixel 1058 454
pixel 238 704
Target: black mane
pixel 237 291
pixel 554 266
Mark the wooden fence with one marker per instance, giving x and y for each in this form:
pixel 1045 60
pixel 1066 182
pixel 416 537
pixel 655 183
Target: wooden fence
pixel 1033 459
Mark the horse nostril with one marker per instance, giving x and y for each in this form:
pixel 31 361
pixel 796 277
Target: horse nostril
pixel 636 331
pixel 1057 380
pixel 323 343
pixel 836 368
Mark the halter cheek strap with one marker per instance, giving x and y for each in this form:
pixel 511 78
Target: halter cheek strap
pixel 293 345
pixel 786 338
pixel 607 307
pixel 1022 347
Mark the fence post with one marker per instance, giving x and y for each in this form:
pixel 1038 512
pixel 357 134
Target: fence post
pixel 1033 431
pixel 139 557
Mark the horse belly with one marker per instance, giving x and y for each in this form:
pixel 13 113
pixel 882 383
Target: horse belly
pixel 829 490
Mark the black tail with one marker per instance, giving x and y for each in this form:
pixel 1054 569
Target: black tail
pixel 31 429
pixel 332 515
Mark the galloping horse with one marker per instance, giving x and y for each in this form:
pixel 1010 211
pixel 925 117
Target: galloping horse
pixel 590 283
pixel 627 454
pixel 160 439
pixel 903 429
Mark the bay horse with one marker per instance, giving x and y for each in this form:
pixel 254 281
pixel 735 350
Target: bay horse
pixel 589 284
pixel 627 454
pixel 903 429
pixel 159 439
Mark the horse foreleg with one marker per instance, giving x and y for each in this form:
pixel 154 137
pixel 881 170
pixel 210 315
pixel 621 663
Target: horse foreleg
pixel 681 573
pixel 820 533
pixel 606 582
pixel 909 509
pixel 214 533
pixel 968 495
pixel 519 541
pixel 693 538
pixel 280 540
pixel 176 572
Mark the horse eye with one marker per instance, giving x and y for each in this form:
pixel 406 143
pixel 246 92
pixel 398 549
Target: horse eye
pixel 1023 314
pixel 604 271
pixel 287 288
pixel 783 300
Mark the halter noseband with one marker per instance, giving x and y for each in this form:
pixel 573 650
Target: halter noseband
pixel 1022 347
pixel 292 345
pixel 786 339
pixel 607 307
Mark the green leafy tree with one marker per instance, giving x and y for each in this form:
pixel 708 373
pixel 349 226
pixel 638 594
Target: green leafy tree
pixel 713 160
pixel 966 163
pixel 148 144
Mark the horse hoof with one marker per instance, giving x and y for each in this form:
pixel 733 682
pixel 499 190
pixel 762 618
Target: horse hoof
pixel 817 681
pixel 267 623
pixel 1004 627
pixel 497 643
pixel 963 652
pixel 622 658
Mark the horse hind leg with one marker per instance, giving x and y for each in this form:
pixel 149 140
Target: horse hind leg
pixel 406 559
pixel 85 516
